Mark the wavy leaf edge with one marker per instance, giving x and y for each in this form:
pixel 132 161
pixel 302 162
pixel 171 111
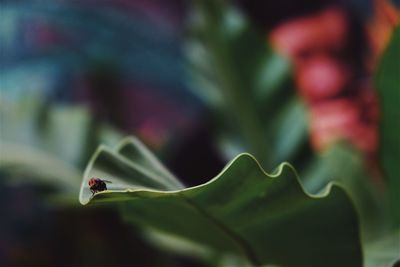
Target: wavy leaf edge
pixel 133 140
pixel 326 191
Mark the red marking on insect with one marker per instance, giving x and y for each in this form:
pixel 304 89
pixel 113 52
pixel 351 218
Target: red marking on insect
pixel 97 185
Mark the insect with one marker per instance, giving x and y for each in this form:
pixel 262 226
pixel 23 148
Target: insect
pixel 97 185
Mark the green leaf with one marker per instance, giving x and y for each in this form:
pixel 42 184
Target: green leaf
pixel 265 218
pixel 241 79
pixel 24 162
pixel 48 144
pixel 388 85
pixel 384 252
pixel 345 165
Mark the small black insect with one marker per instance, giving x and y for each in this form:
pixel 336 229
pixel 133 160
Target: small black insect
pixel 97 185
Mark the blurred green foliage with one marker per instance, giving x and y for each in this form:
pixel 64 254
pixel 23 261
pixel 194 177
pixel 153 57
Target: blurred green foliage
pixel 256 110
pixel 265 218
pixel 47 142
pixel 245 83
pixel 388 84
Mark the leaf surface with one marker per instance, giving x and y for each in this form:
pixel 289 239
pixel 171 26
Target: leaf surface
pixel 388 84
pixel 266 218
